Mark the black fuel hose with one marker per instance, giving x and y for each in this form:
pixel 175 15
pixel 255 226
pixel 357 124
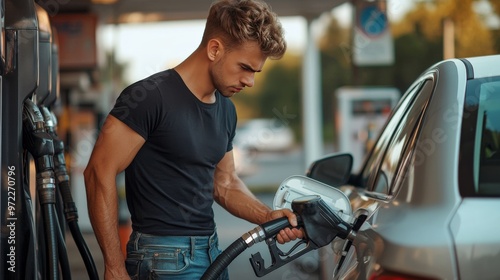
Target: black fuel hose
pixel 63 254
pixel 84 250
pixel 71 214
pixel 258 234
pixel 64 193
pixel 39 144
pixel 224 259
pixel 51 228
pixel 320 222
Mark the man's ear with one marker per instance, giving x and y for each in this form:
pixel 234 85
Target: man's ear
pixel 214 49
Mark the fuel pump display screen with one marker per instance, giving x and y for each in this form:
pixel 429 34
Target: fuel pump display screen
pixel 361 113
pixel 377 107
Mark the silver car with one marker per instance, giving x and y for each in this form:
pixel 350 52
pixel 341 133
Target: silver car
pixel 426 203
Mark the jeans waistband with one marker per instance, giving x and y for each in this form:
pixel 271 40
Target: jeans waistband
pixel 194 242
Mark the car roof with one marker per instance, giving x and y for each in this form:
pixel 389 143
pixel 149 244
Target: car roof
pixel 480 67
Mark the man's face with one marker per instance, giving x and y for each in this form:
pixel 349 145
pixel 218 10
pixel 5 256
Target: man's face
pixel 233 70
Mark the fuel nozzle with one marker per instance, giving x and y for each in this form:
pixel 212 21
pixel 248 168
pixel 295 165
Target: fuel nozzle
pixel 321 223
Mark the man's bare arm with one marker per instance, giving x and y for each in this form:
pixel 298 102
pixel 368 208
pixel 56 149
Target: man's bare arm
pixel 232 194
pixel 115 148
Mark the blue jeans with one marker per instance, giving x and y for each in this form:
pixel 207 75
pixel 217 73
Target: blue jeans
pixel 171 257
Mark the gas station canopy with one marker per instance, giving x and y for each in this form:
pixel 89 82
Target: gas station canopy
pixel 126 11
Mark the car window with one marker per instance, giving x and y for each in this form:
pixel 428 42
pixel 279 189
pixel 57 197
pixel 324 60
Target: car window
pixel 480 139
pixel 399 150
pixel 372 163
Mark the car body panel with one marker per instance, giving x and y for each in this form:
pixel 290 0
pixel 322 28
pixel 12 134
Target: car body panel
pixel 482 66
pixel 477 241
pixel 417 223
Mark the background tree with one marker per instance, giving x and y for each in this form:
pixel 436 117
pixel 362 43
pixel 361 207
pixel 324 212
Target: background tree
pixel 275 95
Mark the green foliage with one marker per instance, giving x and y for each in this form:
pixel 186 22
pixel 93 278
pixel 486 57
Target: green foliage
pixel 414 53
pixel 336 71
pixel 282 94
pixel 112 69
pixel 496 6
pixel 496 40
pixel 278 95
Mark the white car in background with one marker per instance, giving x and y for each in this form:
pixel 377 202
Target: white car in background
pixel 264 135
pixel 243 162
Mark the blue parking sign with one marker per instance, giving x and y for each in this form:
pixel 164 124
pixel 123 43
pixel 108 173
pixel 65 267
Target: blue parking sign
pixel 372 21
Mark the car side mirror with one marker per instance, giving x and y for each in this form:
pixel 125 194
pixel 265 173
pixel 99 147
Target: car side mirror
pixel 333 170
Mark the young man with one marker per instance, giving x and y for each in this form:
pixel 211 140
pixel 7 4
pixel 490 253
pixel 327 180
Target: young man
pixel 172 134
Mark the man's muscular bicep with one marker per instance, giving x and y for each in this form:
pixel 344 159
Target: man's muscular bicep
pixel 116 145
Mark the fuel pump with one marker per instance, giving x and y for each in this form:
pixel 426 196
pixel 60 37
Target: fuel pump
pixel 42 92
pixel 32 241
pixel 19 81
pixel 47 93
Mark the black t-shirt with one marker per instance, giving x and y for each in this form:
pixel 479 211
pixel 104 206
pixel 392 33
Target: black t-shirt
pixel 169 183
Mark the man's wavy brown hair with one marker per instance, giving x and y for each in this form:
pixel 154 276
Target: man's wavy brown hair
pixel 238 21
